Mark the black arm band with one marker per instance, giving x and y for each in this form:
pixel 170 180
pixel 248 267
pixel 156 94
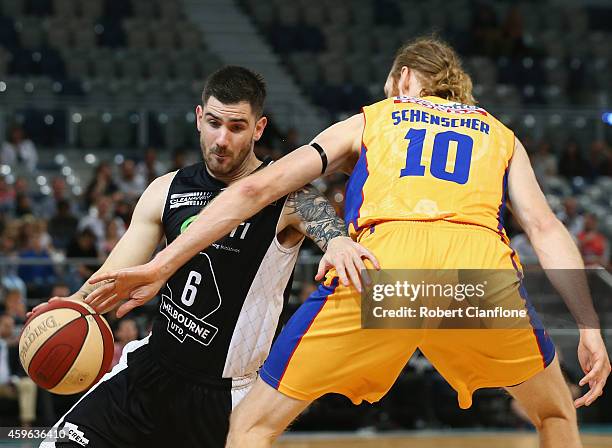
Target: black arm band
pixel 322 154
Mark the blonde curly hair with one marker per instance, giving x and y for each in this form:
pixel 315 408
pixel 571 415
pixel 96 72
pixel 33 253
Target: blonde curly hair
pixel 438 68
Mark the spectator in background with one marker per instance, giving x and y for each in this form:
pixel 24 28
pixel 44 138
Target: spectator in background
pixel 150 168
pixel 59 192
pixel 15 385
pixel 111 238
pixel 15 306
pixel 8 359
pixel 10 238
pixel 84 245
pixel 179 160
pixel 26 230
pixel 7 196
pixel 98 217
pixel 572 163
pixel 38 277
pixel 60 290
pixel 600 159
pixel 22 186
pixel 570 217
pixel 22 190
pixel 10 282
pixel 123 211
pixel 544 164
pixel 9 249
pixel 127 331
pixel 40 230
pixel 63 225
pixel 593 245
pixel 23 205
pixel 129 182
pixel 102 184
pixel 18 150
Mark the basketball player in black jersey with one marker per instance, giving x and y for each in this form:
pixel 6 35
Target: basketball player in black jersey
pixel 219 313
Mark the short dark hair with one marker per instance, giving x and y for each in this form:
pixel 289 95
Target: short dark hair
pixel 233 84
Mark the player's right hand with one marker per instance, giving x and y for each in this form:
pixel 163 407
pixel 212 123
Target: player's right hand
pixel 37 307
pixel 75 296
pixel 347 256
pixel 593 358
pixel 138 284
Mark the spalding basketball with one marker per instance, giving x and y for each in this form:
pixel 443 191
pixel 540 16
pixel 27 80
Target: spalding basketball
pixel 66 347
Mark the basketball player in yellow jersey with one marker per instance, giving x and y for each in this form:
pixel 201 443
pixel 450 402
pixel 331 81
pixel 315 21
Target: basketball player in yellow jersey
pixel 430 175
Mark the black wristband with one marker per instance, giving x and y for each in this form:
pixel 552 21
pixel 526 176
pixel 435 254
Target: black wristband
pixel 322 154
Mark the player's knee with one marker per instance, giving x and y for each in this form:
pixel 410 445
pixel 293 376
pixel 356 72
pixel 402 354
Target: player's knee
pixel 559 411
pixel 255 435
pixel 245 427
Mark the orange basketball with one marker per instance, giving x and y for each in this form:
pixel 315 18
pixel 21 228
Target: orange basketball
pixel 66 347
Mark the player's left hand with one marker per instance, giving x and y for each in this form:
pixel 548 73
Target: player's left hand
pixel 347 257
pixel 595 363
pixel 138 284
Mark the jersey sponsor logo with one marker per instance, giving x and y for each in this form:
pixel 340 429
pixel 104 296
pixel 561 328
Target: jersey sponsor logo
pixel 239 232
pixel 223 247
pixel 183 324
pixel 199 198
pixel 188 222
pixel 453 108
pixel 75 435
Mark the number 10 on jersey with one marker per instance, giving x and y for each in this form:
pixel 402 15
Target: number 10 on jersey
pixel 439 155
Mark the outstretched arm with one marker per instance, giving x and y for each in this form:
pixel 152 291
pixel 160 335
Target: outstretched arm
pixel 237 203
pixel 563 265
pixel 249 195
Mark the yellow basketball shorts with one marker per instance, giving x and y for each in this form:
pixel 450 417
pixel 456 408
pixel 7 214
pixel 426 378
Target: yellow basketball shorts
pixel 323 348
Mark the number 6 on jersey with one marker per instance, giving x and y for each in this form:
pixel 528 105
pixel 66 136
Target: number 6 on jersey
pixel 191 288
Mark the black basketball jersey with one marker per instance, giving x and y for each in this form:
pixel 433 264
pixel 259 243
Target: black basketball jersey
pixel 219 313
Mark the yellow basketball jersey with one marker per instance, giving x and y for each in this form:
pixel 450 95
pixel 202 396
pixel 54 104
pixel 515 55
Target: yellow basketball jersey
pixel 429 159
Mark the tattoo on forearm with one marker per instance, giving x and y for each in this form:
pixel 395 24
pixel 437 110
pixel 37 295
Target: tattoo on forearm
pixel 318 216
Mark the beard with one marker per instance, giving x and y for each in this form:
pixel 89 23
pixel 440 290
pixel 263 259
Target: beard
pixel 230 162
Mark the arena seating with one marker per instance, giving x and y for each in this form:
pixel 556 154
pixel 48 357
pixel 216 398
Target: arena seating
pixel 340 52
pixel 67 54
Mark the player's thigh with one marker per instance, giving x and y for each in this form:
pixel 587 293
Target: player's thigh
pixel 265 411
pixel 545 395
pixel 323 349
pixel 474 359
pixel 193 415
